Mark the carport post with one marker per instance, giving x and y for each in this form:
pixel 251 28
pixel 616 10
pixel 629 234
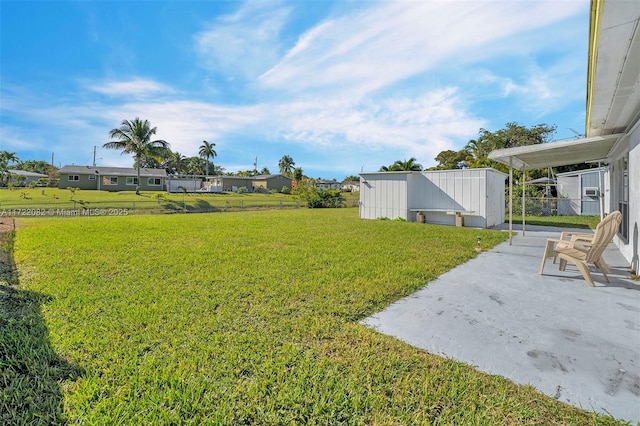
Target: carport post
pixel 523 192
pixel 510 200
pixel 600 188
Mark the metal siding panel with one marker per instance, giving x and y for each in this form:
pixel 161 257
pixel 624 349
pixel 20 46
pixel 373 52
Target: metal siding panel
pixel 458 190
pixel 590 205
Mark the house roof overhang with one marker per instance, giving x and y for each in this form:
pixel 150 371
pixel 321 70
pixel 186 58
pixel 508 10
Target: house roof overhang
pixel 613 86
pixel 555 154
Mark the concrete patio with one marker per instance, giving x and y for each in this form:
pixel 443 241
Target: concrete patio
pixel 578 344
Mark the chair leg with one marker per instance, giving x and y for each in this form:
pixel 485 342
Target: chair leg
pixel 544 259
pixel 563 264
pixel 603 266
pixel 584 270
pixel 600 264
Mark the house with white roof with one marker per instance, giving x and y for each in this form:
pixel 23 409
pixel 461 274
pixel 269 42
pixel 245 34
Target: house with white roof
pixel 612 120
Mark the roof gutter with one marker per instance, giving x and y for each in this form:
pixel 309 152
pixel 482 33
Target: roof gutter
pixel 595 20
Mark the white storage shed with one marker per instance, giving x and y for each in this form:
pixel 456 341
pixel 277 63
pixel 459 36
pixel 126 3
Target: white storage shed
pixel 582 191
pixel 470 197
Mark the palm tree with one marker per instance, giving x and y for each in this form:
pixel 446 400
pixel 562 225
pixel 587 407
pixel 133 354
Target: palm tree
pixel 6 157
pixel 286 164
pixel 297 174
pixel 134 137
pixel 409 165
pixel 174 162
pixel 206 152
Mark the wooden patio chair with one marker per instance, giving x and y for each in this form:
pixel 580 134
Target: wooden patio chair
pixel 584 249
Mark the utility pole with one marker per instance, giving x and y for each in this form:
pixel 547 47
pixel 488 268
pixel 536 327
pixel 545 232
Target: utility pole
pixel 94 156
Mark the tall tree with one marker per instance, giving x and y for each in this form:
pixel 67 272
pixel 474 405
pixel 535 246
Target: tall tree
pixel 475 153
pixel 36 166
pixel 134 137
pixel 409 165
pixel 285 165
pixel 297 174
pixel 174 162
pixel 207 151
pixel 450 159
pixel 6 159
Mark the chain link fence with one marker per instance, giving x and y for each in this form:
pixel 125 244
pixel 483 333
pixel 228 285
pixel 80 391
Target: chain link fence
pixel 542 206
pixel 124 208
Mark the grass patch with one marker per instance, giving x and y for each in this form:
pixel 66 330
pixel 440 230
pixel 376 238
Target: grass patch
pixel 31 372
pixel 46 201
pixel 584 222
pixel 251 318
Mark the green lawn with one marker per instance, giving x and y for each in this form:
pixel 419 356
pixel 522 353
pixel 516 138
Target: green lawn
pixel 241 318
pixel 586 222
pixel 51 202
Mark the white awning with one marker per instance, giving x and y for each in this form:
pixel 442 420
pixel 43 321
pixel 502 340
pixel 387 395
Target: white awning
pixel 554 154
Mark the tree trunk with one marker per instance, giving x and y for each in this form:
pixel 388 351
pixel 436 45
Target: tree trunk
pixel 138 183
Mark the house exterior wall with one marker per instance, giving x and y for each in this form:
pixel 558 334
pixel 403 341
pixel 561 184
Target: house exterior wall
pixel 232 183
pixel 350 186
pixel 628 148
pixel 111 178
pixel 328 184
pixel 277 182
pixel 83 181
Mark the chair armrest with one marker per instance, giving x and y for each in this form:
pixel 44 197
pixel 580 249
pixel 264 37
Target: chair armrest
pixel 576 236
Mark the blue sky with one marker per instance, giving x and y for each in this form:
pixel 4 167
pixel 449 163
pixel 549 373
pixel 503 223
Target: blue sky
pixel 340 86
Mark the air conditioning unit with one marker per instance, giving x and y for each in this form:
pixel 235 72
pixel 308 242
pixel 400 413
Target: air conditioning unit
pixel 590 191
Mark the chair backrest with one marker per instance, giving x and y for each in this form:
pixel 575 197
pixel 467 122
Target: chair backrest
pixel 605 231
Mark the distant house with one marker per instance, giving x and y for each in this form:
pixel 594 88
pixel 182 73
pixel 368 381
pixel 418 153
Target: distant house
pixel 350 186
pixel 260 183
pixel 327 184
pixel 111 178
pixel 266 183
pixel 28 176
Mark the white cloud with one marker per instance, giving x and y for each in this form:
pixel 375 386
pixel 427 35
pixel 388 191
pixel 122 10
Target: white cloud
pixel 389 42
pixel 244 43
pixel 137 87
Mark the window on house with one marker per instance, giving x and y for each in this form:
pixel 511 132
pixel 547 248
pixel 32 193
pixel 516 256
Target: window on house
pixel 623 198
pixel 74 178
pixel 132 181
pixel 92 177
pixel 154 182
pixel 110 180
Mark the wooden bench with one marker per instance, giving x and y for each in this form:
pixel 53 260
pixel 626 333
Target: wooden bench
pixel 458 213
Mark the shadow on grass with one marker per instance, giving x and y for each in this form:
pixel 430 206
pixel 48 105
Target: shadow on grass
pixel 204 206
pixel 31 373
